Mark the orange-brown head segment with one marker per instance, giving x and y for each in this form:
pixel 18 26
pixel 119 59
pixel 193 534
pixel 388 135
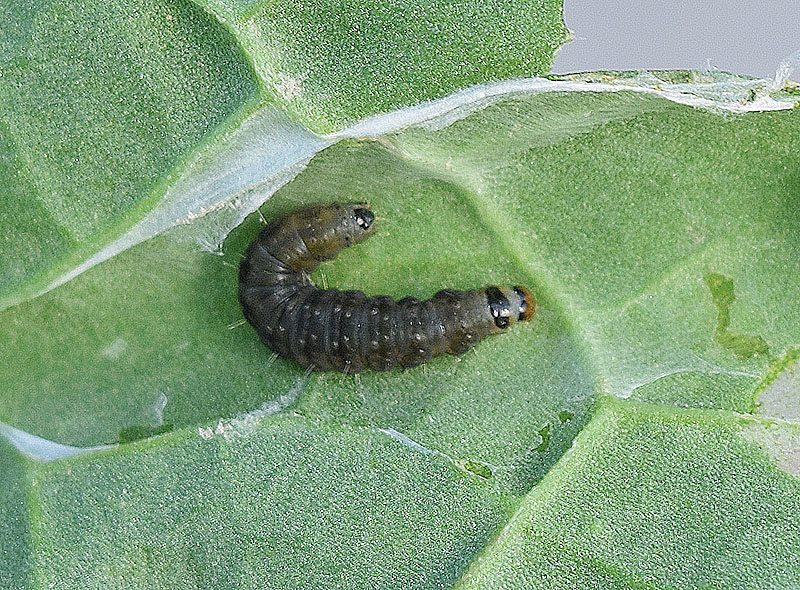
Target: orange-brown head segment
pixel 526 303
pixel 509 305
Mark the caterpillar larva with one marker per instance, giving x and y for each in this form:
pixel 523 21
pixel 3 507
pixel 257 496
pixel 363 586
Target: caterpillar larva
pixel 325 329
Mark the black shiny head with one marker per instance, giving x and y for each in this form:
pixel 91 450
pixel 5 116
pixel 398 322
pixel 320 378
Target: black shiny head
pixel 499 306
pixel 364 217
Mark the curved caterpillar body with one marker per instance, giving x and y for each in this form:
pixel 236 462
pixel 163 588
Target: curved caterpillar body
pixel 326 329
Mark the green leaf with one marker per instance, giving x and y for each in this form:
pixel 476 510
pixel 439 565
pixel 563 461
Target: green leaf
pixel 661 242
pixel 108 104
pixel 15 525
pixel 295 502
pixel 101 102
pixel 332 63
pixel 655 498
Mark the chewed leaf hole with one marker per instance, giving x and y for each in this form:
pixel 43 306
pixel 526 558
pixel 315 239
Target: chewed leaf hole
pixel 742 345
pixel 565 416
pixel 545 434
pixel 477 468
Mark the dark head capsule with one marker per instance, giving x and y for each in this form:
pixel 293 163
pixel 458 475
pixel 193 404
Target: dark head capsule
pixel 364 217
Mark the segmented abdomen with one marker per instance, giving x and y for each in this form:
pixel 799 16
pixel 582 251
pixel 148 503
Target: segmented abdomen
pixel 327 329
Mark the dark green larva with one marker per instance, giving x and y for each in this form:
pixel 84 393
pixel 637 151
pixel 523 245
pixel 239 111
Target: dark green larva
pixel 326 329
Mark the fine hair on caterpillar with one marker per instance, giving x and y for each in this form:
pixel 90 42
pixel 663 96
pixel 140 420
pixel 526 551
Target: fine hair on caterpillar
pixel 327 329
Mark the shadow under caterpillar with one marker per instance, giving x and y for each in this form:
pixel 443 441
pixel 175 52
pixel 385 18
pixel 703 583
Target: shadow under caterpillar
pixel 327 329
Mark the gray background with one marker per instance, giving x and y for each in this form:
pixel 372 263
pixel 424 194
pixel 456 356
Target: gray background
pixel 745 38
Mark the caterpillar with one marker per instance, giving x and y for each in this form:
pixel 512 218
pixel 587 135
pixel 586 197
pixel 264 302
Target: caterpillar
pixel 346 331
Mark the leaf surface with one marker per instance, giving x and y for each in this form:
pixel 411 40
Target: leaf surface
pixel 661 242
pixel 107 105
